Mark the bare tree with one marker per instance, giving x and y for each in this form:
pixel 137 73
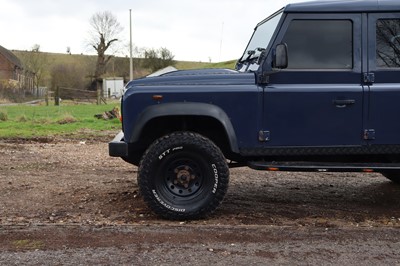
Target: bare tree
pixel 388 43
pixel 105 30
pixel 158 59
pixel 36 62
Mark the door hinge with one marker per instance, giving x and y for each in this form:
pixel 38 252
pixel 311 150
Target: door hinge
pixel 263 78
pixel 264 136
pixel 369 134
pixel 369 78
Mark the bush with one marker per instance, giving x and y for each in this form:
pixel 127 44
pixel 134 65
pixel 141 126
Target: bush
pixel 3 115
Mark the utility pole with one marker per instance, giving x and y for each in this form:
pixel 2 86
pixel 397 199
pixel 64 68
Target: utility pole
pixel 130 46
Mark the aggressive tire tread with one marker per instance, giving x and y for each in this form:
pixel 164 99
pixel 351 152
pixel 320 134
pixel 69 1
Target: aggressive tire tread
pixel 197 144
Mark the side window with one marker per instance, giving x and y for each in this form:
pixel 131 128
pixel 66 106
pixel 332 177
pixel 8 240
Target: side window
pixel 388 43
pixel 320 44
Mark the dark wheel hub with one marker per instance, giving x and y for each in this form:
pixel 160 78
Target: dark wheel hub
pixel 184 179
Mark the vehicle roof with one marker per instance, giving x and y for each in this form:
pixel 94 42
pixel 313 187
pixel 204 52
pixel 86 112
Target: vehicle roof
pixel 344 6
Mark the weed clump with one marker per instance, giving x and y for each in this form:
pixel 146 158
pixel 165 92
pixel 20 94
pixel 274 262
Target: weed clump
pixel 67 119
pixel 3 115
pixel 22 119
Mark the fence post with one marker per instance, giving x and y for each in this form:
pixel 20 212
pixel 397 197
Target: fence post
pixel 98 93
pixel 46 97
pixel 57 96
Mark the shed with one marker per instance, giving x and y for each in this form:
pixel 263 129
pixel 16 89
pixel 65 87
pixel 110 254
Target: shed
pixel 113 87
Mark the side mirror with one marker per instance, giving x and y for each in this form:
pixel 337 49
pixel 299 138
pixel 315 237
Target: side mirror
pixel 281 56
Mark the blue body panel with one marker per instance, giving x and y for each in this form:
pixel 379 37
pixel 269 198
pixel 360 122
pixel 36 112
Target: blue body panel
pixel 305 115
pixel 235 93
pixel 384 110
pixel 292 108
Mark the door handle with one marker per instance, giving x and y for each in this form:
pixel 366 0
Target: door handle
pixel 343 103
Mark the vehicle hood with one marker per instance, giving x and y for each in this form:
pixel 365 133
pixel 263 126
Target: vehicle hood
pixel 197 77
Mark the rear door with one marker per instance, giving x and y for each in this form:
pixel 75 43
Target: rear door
pixel 318 100
pixel 384 70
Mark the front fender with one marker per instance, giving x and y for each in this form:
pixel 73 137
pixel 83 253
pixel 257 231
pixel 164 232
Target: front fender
pixel 185 109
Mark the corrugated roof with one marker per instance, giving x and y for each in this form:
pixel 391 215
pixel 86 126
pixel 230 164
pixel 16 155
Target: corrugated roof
pixel 10 56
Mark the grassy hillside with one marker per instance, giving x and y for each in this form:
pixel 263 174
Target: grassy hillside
pixel 182 65
pixel 89 61
pixel 79 59
pixel 80 68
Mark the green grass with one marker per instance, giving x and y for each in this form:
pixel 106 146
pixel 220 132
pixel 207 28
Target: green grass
pixel 182 65
pixel 68 120
pixel 76 59
pixel 72 121
pixel 228 64
pixel 88 61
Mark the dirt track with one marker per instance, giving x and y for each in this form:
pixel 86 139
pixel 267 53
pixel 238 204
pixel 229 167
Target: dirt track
pixel 68 202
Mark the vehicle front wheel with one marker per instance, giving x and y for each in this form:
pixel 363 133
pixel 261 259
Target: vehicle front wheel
pixel 183 176
pixel 393 176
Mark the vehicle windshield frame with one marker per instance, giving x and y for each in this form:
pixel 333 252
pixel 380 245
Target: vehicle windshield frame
pixel 262 36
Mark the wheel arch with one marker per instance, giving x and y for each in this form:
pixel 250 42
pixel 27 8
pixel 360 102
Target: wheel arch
pixel 185 112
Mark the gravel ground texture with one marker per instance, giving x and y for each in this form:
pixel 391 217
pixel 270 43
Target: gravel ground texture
pixel 67 202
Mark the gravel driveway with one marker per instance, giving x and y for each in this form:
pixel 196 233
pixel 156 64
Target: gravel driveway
pixel 66 202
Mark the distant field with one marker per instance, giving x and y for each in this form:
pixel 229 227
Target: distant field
pixel 72 121
pixel 90 60
pixel 193 65
pixel 118 66
pixel 69 120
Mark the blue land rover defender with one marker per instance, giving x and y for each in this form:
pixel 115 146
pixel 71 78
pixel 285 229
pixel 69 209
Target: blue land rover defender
pixel 317 89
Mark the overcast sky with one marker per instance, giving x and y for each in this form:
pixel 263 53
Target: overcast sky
pixel 191 30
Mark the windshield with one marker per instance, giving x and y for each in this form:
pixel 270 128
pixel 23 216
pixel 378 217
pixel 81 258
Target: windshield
pixel 261 37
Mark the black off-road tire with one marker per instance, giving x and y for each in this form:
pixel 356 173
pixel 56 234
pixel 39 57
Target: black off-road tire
pixel 183 176
pixel 393 176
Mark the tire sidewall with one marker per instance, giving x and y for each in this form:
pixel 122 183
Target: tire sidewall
pixel 200 152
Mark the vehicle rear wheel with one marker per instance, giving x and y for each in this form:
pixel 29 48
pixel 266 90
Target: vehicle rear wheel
pixel 183 176
pixel 393 176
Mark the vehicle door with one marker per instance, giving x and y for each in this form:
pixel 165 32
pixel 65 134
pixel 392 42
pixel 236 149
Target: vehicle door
pixel 318 99
pixel 384 71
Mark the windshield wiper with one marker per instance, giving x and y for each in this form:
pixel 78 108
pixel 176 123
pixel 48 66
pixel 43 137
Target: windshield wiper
pixel 251 55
